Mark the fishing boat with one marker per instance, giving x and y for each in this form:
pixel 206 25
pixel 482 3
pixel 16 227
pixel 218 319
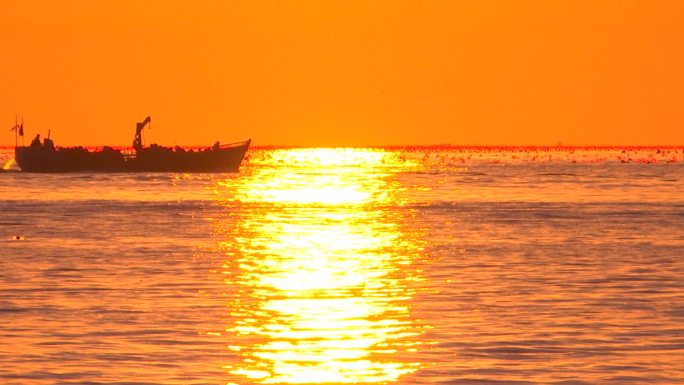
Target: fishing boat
pixel 45 157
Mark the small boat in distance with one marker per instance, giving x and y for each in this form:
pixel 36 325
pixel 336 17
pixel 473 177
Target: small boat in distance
pixel 45 157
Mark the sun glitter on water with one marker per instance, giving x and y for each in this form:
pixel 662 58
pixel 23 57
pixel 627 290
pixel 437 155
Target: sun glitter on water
pixel 8 164
pixel 320 271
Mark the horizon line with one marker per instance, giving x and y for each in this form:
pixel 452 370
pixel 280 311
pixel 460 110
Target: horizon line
pixel 423 146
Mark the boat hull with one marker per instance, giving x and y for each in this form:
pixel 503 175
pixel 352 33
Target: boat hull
pixel 150 159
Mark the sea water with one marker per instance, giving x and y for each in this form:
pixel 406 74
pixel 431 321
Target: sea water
pixel 356 266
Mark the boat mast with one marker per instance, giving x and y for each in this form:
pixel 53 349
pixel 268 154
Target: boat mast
pixel 18 131
pixel 137 141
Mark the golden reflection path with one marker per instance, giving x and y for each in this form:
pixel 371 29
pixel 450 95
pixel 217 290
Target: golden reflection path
pixel 319 270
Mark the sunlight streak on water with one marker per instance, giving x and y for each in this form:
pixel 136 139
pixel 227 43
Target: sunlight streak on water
pixel 322 276
pixel 401 266
pixel 8 164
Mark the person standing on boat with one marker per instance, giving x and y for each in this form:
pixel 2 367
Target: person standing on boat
pixel 36 141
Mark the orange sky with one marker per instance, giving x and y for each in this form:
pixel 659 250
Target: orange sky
pixel 324 73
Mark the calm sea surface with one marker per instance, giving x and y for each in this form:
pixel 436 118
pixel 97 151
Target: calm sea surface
pixel 333 266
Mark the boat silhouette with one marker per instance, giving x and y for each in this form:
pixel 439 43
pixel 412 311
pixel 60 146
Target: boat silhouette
pixel 45 157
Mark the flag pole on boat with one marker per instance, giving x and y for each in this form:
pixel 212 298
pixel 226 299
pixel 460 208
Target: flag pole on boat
pixel 16 126
pixel 18 131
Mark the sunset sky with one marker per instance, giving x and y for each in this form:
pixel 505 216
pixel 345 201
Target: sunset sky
pixel 338 73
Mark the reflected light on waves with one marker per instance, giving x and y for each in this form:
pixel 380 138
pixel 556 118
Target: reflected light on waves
pixel 8 164
pixel 319 270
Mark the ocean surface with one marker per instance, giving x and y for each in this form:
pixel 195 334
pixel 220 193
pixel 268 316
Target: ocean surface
pixel 350 266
